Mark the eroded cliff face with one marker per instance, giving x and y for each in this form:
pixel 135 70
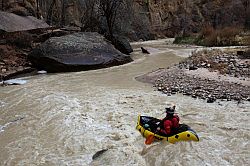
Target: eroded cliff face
pixel 19 7
pixel 162 17
pixel 55 12
pixel 177 17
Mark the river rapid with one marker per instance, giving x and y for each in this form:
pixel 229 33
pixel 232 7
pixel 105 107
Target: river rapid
pixel 65 119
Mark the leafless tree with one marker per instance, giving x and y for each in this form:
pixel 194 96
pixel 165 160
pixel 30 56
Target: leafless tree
pixel 63 13
pixel 89 18
pixel 109 9
pixel 185 19
pixel 92 10
pixel 37 9
pixel 50 12
pixel 246 5
pixel 2 5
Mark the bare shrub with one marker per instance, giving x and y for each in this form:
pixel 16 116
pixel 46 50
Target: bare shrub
pixel 220 37
pixel 207 30
pixel 246 40
pixel 211 40
pixel 227 36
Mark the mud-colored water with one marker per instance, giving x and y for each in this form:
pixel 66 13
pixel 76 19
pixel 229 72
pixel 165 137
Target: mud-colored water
pixel 64 119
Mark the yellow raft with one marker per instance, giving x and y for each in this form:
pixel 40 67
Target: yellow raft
pixel 148 126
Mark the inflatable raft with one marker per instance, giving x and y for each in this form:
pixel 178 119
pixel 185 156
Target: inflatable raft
pixel 148 126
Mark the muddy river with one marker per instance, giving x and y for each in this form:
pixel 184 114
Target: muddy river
pixel 65 119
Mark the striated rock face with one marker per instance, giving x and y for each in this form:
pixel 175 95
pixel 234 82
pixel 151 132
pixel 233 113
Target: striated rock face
pixel 172 17
pixel 76 52
pixel 50 10
pixel 163 17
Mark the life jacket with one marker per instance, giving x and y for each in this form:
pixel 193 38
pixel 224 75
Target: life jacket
pixel 169 118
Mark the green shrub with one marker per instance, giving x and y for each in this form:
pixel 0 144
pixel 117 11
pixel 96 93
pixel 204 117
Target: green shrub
pixel 185 40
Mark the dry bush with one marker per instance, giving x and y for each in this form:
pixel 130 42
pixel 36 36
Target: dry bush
pixel 221 67
pixel 246 40
pixel 211 40
pixel 207 30
pixel 227 36
pixel 220 37
pixel 207 56
pixel 229 31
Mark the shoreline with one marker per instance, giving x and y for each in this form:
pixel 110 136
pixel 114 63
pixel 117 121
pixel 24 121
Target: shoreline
pixel 191 77
pixel 174 80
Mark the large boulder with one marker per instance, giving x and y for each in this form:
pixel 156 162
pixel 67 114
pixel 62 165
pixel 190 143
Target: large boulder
pixel 76 52
pixel 122 44
pixel 10 22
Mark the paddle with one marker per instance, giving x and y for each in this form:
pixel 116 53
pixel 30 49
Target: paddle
pixel 149 139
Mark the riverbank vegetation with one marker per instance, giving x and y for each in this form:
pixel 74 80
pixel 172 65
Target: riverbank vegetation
pixel 209 37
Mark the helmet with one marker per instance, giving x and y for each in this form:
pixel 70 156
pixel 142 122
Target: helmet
pixel 170 110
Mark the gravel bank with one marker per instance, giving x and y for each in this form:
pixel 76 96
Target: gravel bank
pixel 209 75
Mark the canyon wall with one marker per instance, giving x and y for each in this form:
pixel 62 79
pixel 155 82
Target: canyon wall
pixel 178 17
pixel 160 17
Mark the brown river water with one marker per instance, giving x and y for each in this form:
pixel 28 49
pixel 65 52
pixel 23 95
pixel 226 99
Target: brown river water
pixel 64 119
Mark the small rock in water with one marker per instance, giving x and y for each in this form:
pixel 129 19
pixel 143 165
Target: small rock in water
pixel 97 154
pixel 144 50
pixel 248 99
pixel 211 100
pixel 193 68
pixel 42 72
pixel 15 82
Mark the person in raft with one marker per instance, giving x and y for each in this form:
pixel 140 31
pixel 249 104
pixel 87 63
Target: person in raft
pixel 170 122
pixel 167 125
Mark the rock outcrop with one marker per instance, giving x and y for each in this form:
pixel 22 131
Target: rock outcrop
pixel 122 44
pixel 164 18
pixel 10 22
pixel 20 7
pixel 178 17
pixel 76 52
